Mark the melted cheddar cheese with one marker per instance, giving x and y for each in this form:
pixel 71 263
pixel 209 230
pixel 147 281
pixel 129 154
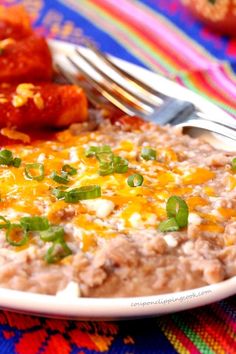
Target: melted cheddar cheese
pixel 120 207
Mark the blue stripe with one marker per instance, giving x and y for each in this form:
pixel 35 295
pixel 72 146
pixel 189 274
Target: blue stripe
pixel 105 40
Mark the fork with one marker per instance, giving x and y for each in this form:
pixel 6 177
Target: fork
pixel 134 97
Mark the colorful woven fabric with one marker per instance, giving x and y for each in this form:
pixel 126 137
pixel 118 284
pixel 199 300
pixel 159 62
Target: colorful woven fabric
pixel 162 36
pixel 208 330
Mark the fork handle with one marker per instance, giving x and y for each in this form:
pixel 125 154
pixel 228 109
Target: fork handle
pixel 196 122
pixel 172 109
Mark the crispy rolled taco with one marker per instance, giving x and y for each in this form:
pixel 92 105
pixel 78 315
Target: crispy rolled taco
pixel 43 105
pixel 25 60
pixel 14 22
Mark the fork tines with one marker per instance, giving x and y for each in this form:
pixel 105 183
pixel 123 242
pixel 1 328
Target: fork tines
pixel 125 91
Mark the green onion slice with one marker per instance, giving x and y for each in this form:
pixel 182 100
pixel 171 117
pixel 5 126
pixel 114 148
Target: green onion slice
pixel 59 192
pixel 57 251
pixel 6 223
pixel 16 162
pixel 233 164
pixel 53 233
pixel 148 154
pixel 135 180
pixel 62 179
pixel 16 231
pixel 94 150
pixel 83 193
pixel 116 164
pixel 120 164
pixel 178 209
pixel 77 194
pixel 104 157
pixel 69 169
pixel 177 212
pixel 106 169
pixel 34 223
pixel 109 163
pixel 34 171
pixel 168 225
pixel 6 157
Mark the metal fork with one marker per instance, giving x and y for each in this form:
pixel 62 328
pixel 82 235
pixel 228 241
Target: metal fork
pixel 134 97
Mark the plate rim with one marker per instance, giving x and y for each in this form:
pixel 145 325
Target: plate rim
pixel 115 308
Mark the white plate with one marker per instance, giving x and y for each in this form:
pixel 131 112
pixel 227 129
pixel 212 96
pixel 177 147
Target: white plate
pixel 124 308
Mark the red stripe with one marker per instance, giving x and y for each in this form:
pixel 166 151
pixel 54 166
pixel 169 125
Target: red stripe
pixel 224 317
pixel 82 339
pixel 226 95
pixel 21 322
pixel 57 344
pixel 199 80
pixel 31 342
pixel 211 333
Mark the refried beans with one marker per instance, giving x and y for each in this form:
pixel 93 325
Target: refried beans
pixel 91 233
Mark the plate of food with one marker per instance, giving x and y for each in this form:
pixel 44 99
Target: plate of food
pixel 105 216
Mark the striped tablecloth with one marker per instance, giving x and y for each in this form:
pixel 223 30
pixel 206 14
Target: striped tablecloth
pixel 160 35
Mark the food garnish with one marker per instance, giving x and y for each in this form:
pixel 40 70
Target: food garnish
pixel 135 180
pixel 177 212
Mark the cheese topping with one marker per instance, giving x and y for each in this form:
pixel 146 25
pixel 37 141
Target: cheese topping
pixel 120 206
pixel 24 92
pixel 6 42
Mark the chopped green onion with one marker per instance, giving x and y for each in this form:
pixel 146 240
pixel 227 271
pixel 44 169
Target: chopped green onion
pixel 106 169
pixel 59 192
pixel 69 169
pixel 18 235
pixel 106 163
pixel 83 193
pixel 148 154
pixel 57 251
pixel 16 162
pixel 32 168
pixel 6 157
pixel 34 223
pixel 177 212
pixel 105 157
pixel 77 194
pixel 109 163
pixel 62 179
pixel 233 164
pixel 178 209
pixel 168 225
pixel 6 223
pixel 121 168
pixel 17 231
pixel 91 151
pixel 94 150
pixel 59 248
pixel 120 164
pixel 113 164
pixel 52 234
pixel 135 180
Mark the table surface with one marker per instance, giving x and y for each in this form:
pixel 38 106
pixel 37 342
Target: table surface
pixel 162 36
